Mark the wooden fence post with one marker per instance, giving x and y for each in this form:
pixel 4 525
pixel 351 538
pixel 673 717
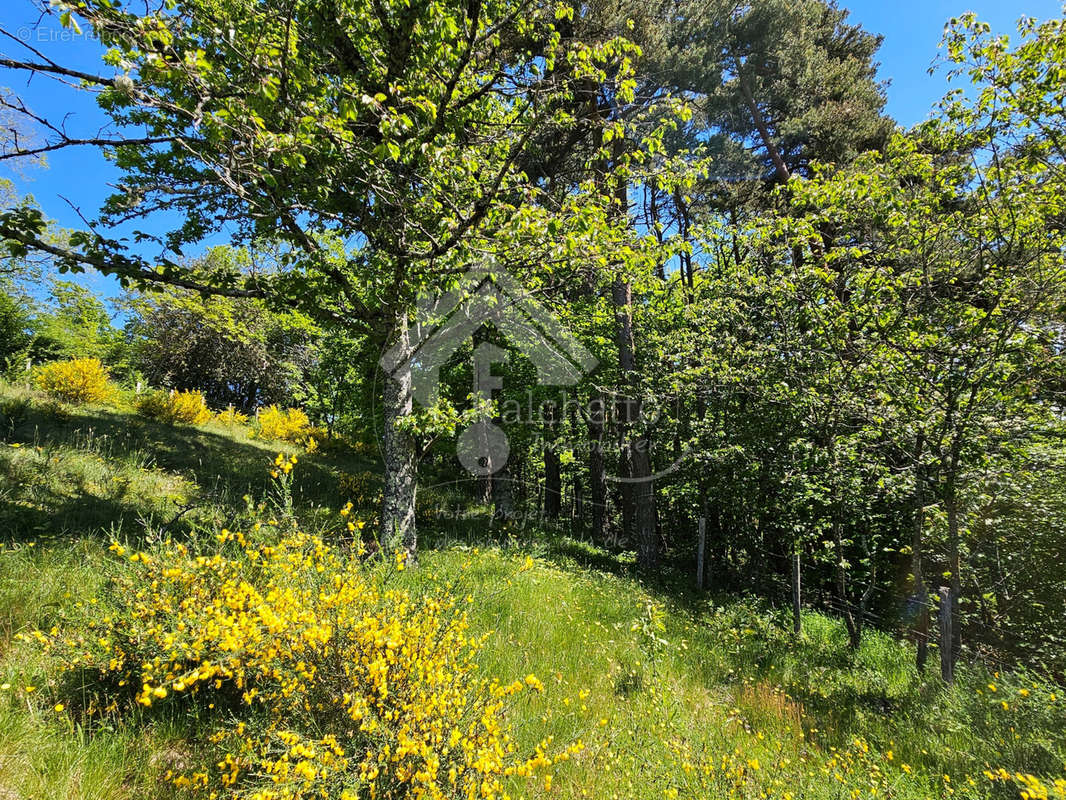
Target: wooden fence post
pixel 701 549
pixel 947 671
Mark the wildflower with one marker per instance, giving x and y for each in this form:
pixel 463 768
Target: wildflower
pixel 316 628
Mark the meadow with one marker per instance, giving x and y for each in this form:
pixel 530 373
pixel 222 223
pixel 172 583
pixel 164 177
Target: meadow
pixel 626 689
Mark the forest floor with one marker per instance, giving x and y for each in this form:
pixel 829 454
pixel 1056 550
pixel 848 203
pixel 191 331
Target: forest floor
pixel 671 694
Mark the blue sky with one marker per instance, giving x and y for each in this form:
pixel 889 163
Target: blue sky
pixel 911 30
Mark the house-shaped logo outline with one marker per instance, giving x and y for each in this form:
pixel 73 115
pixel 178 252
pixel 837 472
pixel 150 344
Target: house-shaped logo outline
pixel 445 322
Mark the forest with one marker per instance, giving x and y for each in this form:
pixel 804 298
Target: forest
pixel 530 398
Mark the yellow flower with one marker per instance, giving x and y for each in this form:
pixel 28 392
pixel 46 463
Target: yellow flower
pixel 59 708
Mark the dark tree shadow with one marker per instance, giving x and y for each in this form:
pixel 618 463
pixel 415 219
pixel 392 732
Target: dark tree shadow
pixel 221 467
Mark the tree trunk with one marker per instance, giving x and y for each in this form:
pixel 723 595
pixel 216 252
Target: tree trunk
pixel 951 507
pixel 851 621
pixel 920 596
pixel 797 592
pixel 552 482
pixel 638 493
pixel 502 495
pixel 624 492
pixel 597 471
pixel 398 498
pixel 643 496
pixel 701 553
pixel 781 172
pixel 578 510
pixel 947 662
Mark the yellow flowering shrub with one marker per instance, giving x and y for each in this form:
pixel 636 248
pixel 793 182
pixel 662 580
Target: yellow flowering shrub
pixel 189 408
pixel 288 425
pixel 80 380
pixel 322 680
pixel 231 417
pixel 363 488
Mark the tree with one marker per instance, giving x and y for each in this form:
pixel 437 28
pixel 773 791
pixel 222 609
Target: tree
pixel 15 328
pixel 379 145
pixel 74 323
pixel 235 350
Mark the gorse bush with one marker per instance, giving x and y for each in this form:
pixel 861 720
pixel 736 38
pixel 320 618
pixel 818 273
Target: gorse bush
pixel 319 679
pixel 80 380
pixel 287 425
pixel 231 417
pixel 363 488
pixel 189 408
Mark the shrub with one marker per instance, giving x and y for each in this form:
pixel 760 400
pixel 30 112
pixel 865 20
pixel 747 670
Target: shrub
pixel 188 408
pixel 317 679
pixel 289 425
pixel 363 488
pixel 231 417
pixel 80 380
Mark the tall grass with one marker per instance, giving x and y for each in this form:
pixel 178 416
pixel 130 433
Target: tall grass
pixel 672 696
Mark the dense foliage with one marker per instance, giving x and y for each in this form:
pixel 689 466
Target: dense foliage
pixel 237 352
pixel 812 358
pixel 80 380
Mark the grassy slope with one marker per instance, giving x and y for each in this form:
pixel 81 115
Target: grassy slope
pixel 703 697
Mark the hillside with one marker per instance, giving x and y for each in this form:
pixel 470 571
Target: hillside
pixel 648 690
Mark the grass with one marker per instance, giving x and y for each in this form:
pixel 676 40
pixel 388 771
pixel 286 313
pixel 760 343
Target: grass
pixel 673 695
pixel 727 681
pixel 104 471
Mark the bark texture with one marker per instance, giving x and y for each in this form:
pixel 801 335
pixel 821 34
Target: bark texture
pixel 398 498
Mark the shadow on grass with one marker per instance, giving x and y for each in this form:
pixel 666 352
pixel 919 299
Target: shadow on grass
pixel 219 467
